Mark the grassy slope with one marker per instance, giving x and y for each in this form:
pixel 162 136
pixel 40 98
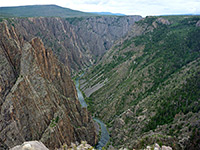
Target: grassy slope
pixel 41 11
pixel 155 75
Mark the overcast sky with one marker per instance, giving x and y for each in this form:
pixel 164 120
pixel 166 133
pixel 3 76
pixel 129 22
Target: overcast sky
pixel 128 7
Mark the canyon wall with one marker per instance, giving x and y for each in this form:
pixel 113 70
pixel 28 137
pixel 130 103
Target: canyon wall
pixel 38 100
pixel 78 42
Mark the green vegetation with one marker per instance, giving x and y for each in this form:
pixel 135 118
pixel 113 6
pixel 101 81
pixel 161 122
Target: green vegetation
pixel 54 122
pixel 155 75
pixel 181 100
pixel 194 139
pixel 148 20
pixel 41 11
pixel 90 103
pixel 74 20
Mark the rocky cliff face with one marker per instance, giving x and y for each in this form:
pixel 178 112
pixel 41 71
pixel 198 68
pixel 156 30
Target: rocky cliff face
pixel 76 41
pixel 38 100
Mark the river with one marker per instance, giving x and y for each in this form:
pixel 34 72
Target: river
pixel 80 95
pixel 104 133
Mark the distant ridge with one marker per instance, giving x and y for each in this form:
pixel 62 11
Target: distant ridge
pixel 41 11
pixel 180 15
pixel 109 13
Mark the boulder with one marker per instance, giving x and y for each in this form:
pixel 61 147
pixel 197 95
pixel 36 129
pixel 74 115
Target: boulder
pixel 31 145
pixel 148 148
pixel 156 146
pixel 166 148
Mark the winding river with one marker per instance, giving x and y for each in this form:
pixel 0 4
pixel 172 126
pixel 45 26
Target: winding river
pixel 80 95
pixel 104 133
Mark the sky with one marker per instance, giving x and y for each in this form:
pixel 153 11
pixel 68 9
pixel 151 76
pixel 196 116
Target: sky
pixel 128 7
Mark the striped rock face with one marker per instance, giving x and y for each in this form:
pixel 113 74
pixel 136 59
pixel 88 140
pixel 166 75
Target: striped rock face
pixel 38 100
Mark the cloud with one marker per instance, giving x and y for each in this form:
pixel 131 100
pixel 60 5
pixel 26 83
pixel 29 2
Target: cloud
pixel 95 2
pixel 129 7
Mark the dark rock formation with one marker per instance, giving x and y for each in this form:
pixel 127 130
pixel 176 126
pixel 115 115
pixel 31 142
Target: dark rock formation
pixel 38 100
pixel 76 41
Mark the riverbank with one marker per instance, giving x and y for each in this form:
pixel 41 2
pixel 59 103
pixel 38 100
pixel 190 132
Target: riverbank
pixel 104 139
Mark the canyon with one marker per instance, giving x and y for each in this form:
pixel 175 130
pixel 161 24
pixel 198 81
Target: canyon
pixel 38 98
pixel 77 42
pixel 140 76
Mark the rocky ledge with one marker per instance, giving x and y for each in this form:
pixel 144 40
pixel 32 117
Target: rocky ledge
pixel 35 145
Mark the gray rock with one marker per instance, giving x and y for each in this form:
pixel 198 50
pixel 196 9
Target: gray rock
pixel 119 123
pixel 148 148
pixel 198 24
pixel 166 148
pixel 80 40
pixel 156 147
pixel 163 21
pixel 31 145
pixel 111 147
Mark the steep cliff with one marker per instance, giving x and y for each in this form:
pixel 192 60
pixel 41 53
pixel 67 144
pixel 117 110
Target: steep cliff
pixel 146 87
pixel 78 42
pixel 38 100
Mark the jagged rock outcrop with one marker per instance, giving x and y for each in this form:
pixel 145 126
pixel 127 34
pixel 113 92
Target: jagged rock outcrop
pixel 76 41
pixel 163 21
pixel 198 24
pixel 38 100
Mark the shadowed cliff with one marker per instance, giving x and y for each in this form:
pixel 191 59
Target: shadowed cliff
pixel 78 42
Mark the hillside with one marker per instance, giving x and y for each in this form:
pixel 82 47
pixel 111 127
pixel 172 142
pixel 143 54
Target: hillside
pixel 146 87
pixel 109 13
pixel 41 11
